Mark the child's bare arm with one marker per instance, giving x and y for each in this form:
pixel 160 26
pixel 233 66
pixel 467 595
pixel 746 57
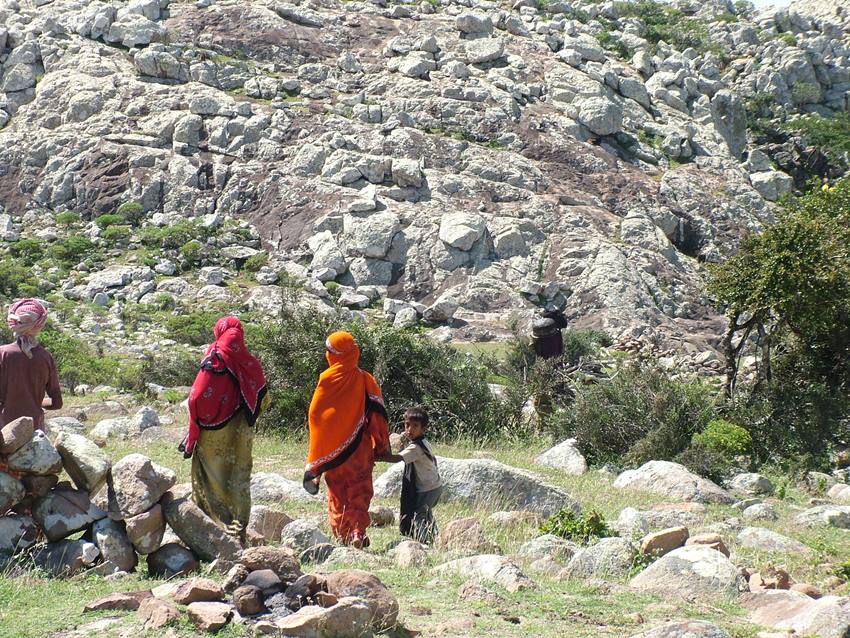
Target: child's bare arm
pixel 389 457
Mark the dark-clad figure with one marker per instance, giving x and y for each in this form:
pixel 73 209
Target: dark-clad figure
pixel 27 370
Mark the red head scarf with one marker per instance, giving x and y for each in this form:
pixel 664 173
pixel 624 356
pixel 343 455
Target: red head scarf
pixel 229 378
pixel 338 409
pixel 26 319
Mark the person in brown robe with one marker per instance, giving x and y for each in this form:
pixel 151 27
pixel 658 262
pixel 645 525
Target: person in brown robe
pixel 29 381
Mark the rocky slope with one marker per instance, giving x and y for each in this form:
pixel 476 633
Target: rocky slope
pixel 471 159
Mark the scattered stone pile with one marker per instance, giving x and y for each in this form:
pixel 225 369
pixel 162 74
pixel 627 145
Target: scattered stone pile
pixel 266 589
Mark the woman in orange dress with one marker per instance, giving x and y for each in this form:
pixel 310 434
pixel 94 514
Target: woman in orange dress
pixel 348 430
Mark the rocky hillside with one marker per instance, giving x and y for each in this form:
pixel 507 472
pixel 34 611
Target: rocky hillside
pixel 464 160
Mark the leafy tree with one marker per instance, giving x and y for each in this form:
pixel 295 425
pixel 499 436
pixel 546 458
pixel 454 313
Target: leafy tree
pixel 792 279
pixel 830 134
pixel 787 298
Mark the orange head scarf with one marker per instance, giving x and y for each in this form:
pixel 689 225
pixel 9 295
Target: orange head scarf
pixel 338 410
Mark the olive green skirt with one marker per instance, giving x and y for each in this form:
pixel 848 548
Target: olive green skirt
pixel 221 473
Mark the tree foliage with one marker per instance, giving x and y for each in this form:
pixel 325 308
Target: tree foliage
pixel 787 297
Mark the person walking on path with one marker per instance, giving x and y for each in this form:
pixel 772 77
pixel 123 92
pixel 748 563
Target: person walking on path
pixel 226 399
pixel 348 430
pixel 27 371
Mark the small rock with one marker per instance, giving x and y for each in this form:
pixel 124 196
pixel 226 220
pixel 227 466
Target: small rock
pixel 663 542
pixel 354 582
pixel 198 590
pixel 210 616
pixel 136 484
pixel 279 560
pixel 155 613
pixel 16 434
pixel 714 541
pixel 248 600
pixel 171 560
pixel 410 554
pixel 124 601
pixel 267 523
pixel 265 580
pixel 301 534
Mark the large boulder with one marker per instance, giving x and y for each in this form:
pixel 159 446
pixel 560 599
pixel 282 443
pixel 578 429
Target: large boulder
pixel 301 534
pixel 633 522
pixel 461 230
pixel 11 492
pixel 765 540
pixel 114 546
pixel 601 115
pixel 55 426
pixel 548 546
pixel 694 569
pixel 65 511
pixel 729 116
pixel 488 567
pixel 486 482
pixel 136 483
pixel 37 456
pixel 17 533
pixel 268 487
pixel 832 515
pixel 840 493
pixel 200 533
pixel 750 484
pixel 673 481
pixel 684 629
pixel 826 617
pixel 355 582
pixel 565 457
pixel 86 464
pixel 607 558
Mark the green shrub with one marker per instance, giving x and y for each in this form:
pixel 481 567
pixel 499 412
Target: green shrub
pixel 410 369
pixel 16 280
pixel 579 528
pixel 174 396
pixel 116 233
pixel 177 368
pixel 668 23
pixel 713 453
pixel 830 134
pixel 642 413
pixel 724 436
pixel 132 212
pixel 164 301
pixel 174 236
pixel 28 251
pixel 71 250
pixel 707 462
pixel 105 221
pixel 195 328
pixel 806 93
pixel 192 251
pixel 79 362
pixel 787 38
pixel 68 218
pixel 255 262
pixel 843 570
